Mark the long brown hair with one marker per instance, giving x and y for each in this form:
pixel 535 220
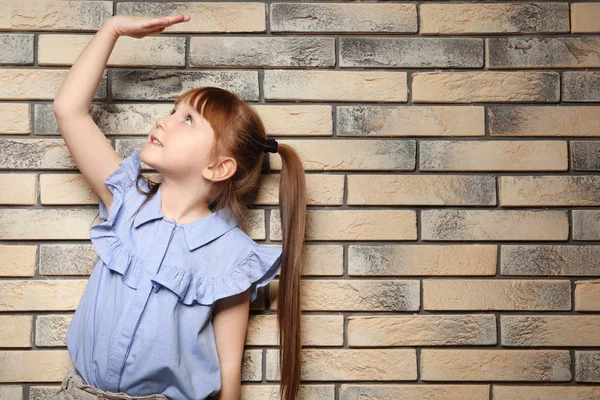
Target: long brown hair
pixel 240 133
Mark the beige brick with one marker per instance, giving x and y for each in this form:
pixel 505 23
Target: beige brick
pixel 18 260
pixel 16 48
pixel 550 260
pixel 544 121
pixel 252 365
pixel 411 52
pixel 158 51
pixel 323 260
pixel 421 190
pixel 496 294
pixel 11 392
pixel 353 225
pixel 421 330
pixel 422 260
pixel 339 155
pixel 44 224
pixel 205 16
pixel 320 189
pixel 492 87
pixel 568 191
pixel 414 391
pixel 271 392
pixel 317 330
pixel 168 84
pixel 296 120
pixel 34 365
pixel 237 52
pixel 366 120
pixel 367 86
pixel 581 86
pixel 586 225
pixel 355 295
pixel 18 189
pixel 51 330
pixel 586 366
pixel 451 19
pixel 257 227
pixel 585 18
pixel 553 392
pixel 345 364
pixel 74 189
pixel 15 119
pixel 538 52
pixel 38 84
pixel 50 15
pixel 494 225
pixel 493 155
pixel 16 331
pixel 350 18
pixel 41 295
pixel 550 330
pixel 587 295
pixel 495 365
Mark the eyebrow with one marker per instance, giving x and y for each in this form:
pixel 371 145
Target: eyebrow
pixel 190 110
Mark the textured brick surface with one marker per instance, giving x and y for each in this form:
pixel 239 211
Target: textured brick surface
pixel 495 365
pixel 544 121
pixel 491 87
pixel 506 18
pixel 451 152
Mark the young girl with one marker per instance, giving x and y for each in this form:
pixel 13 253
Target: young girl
pixel 165 310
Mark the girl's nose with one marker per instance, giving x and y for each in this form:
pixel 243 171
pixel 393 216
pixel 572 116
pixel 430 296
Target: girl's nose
pixel 160 123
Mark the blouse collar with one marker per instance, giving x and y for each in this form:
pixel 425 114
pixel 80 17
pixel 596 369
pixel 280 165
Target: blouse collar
pixel 197 233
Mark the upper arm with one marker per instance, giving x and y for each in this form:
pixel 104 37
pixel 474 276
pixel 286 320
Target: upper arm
pixel 230 323
pixel 92 153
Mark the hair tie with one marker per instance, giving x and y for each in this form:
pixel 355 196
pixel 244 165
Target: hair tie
pixel 270 145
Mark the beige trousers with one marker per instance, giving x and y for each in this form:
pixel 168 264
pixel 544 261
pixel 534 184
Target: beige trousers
pixel 73 388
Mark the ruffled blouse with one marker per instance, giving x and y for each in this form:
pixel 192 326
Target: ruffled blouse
pixel 144 322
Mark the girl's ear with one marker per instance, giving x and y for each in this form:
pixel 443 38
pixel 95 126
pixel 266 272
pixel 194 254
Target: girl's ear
pixel 223 169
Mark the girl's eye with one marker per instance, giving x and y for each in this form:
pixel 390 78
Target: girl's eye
pixel 190 118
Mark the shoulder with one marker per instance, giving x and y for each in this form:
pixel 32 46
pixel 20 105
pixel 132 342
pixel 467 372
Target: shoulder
pixel 244 263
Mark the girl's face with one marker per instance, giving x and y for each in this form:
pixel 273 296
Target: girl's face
pixel 186 141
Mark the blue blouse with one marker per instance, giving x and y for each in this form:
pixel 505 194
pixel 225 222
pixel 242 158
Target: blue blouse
pixel 144 322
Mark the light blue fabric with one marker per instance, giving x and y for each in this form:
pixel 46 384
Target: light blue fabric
pixel 143 325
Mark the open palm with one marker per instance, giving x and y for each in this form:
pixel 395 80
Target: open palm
pixel 139 27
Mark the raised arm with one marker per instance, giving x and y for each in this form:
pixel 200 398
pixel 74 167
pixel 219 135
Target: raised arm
pixel 91 152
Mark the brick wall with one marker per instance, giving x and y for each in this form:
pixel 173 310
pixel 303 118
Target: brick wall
pixel 452 180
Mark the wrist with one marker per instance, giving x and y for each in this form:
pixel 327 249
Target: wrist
pixel 109 26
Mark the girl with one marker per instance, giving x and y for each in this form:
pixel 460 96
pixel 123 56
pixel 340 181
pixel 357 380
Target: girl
pixel 164 314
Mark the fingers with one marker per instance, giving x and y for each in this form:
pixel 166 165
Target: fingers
pixel 166 20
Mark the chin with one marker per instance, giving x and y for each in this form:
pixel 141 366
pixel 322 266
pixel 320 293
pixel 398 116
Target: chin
pixel 144 158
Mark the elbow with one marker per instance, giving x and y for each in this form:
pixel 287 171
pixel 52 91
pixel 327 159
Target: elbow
pixel 66 110
pixel 58 109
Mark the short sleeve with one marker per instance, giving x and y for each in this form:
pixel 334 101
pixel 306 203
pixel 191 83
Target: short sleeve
pixel 253 271
pixel 119 182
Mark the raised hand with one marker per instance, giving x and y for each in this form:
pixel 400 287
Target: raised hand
pixel 139 27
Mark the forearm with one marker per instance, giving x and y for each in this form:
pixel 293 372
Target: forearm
pixel 76 93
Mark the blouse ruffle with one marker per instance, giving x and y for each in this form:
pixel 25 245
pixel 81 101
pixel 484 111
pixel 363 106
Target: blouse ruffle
pixel 256 270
